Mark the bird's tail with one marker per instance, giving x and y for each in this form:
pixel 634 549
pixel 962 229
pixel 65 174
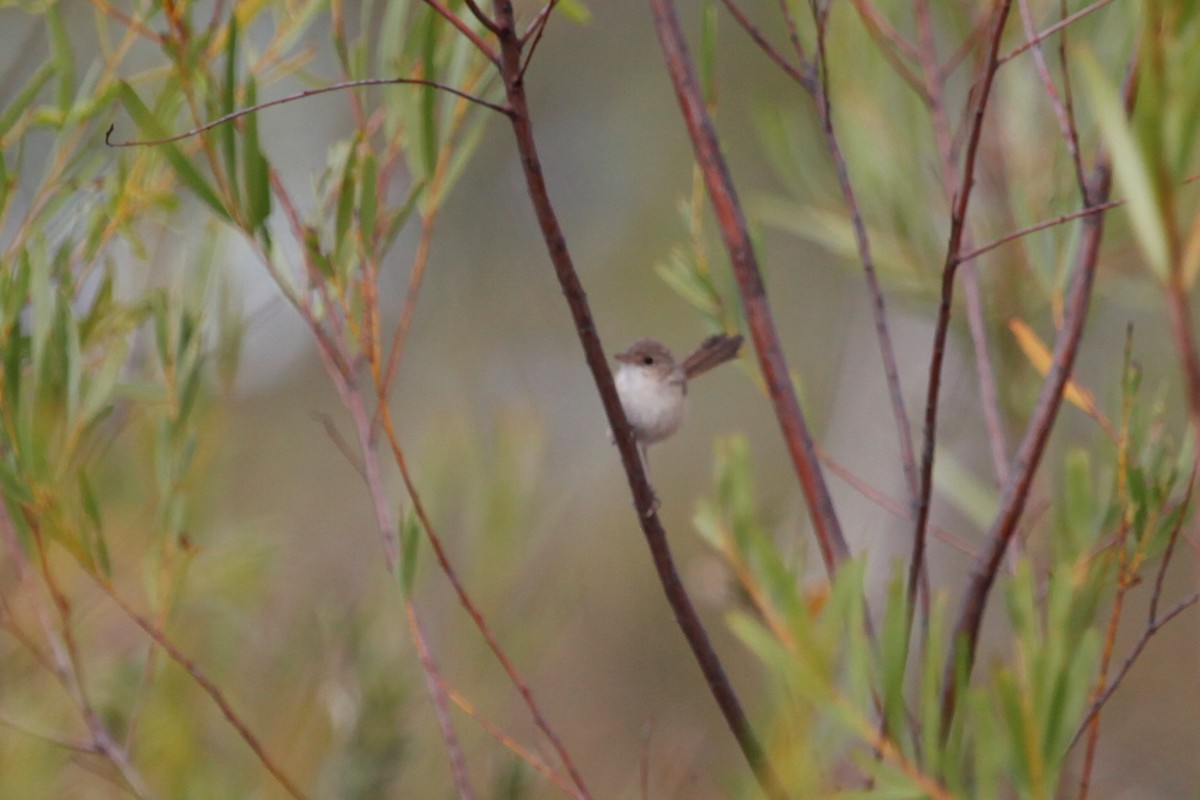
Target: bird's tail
pixel 712 352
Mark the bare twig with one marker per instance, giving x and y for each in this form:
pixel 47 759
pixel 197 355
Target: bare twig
pixel 202 680
pixel 937 357
pixel 1055 28
pixel 464 29
pixel 437 695
pixel 513 746
pixel 1028 455
pixel 1066 121
pixel 803 77
pixel 893 507
pixel 483 18
pixel 536 30
pixel 291 98
pixel 935 92
pixel 64 658
pixel 469 606
pixel 887 350
pixel 814 80
pixel 1147 634
pixel 1179 314
pixel 1041 226
pixel 339 442
pixel 895 48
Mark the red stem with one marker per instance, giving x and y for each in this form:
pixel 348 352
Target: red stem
pixel 754 298
pixel 594 353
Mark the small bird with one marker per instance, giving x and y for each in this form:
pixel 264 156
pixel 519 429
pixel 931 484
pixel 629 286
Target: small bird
pixel 653 387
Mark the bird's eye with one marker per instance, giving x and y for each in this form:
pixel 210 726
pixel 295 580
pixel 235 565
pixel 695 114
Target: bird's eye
pixel 647 360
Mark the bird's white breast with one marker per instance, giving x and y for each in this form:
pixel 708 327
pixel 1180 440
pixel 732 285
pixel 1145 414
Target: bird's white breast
pixel 654 407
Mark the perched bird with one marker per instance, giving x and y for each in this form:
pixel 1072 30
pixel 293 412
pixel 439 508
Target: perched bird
pixel 653 386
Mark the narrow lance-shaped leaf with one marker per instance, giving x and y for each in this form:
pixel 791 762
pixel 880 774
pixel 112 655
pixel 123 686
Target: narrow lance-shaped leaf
pixel 367 201
pixel 258 180
pixel 228 131
pixel 18 105
pixel 1133 170
pixel 74 360
pixel 410 543
pixel 345 204
pixel 97 549
pixel 63 60
pixel 429 131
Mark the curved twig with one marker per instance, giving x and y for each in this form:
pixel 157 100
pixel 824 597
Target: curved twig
pixel 336 87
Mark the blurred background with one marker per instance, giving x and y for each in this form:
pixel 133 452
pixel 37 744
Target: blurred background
pixel 287 603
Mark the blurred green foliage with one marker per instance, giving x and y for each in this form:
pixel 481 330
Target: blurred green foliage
pixel 114 373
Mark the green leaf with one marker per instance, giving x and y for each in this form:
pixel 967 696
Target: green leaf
pixel 14 488
pixel 1134 170
pixel 19 104
pixel 575 11
pixel 367 200
pixel 429 96
pixel 63 60
pixel 184 169
pixel 73 360
pixel 258 175
pixel 345 204
pixel 228 131
pixel 1079 509
pixel 893 657
pixel 94 530
pixel 410 542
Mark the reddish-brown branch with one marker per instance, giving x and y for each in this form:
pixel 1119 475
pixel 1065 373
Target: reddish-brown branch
pixel 805 79
pixel 506 741
pixel 1029 452
pixel 887 351
pixel 1179 315
pixel 464 29
pixel 935 92
pixel 1066 121
pixel 1041 226
pixel 483 18
pixel 1147 634
pixel 469 606
pixel 63 659
pixel 437 696
pixel 889 505
pixel 937 358
pixel 594 354
pixel 813 79
pixel 202 680
pixel 750 285
pixel 894 47
pixel 536 30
